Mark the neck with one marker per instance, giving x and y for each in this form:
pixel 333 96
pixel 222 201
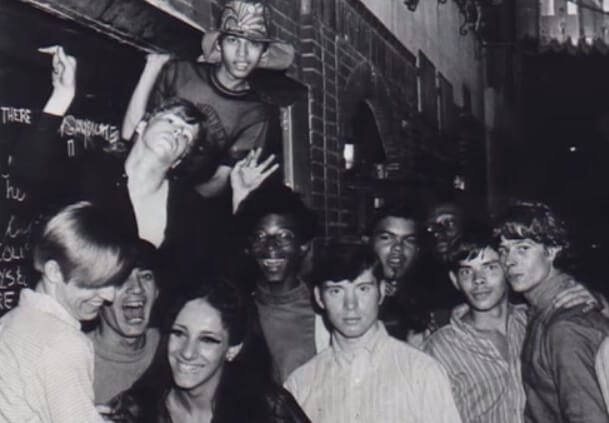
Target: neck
pixel 542 293
pixel 198 400
pixel 280 288
pixel 493 319
pixel 145 172
pixel 44 286
pixel 109 336
pixel 230 82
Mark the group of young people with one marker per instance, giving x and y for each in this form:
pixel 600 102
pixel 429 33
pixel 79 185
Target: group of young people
pixel 195 312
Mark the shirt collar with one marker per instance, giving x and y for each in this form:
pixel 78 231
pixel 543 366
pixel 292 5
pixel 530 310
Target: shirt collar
pixel 368 345
pixel 46 304
pixel 543 298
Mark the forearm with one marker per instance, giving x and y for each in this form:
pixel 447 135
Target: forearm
pixel 139 99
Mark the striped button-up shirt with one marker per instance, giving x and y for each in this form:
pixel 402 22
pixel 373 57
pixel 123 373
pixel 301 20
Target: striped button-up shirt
pixel 487 386
pixel 385 380
pixel 46 364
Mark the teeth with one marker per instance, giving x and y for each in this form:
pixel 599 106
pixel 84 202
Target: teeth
pixel 188 368
pixel 134 304
pixel 273 262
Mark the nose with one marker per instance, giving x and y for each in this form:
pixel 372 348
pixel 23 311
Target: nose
pixel 107 293
pixel 350 300
pixel 479 278
pixel 397 246
pixel 507 259
pixel 136 284
pixel 188 349
pixel 242 48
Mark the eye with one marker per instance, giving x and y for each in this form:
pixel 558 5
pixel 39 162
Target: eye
pixel 523 248
pixel 465 272
pixel 177 333
pixel 208 339
pixel 333 291
pixel 411 240
pixel 365 288
pixel 383 237
pixel 146 276
pixel 231 39
pixel 493 267
pixel 258 237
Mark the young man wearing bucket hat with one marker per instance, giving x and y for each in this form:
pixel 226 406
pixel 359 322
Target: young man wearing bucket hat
pixel 218 84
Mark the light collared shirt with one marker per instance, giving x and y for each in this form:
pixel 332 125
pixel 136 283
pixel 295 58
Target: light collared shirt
pixel 46 364
pixel 487 386
pixel 385 380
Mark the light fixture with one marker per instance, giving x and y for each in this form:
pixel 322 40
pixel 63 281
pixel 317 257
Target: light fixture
pixel 349 155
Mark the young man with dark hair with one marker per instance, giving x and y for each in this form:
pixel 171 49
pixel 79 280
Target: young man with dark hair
pixel 561 344
pixel 395 238
pixel 124 342
pixel 480 347
pixel 279 229
pixel 47 362
pixel 219 84
pixel 366 375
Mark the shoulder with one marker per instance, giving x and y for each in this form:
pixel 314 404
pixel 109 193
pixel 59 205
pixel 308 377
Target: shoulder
pixel 304 375
pixel 410 360
pixel 573 328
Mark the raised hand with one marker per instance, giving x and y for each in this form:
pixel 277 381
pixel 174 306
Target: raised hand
pixel 63 78
pixel 247 175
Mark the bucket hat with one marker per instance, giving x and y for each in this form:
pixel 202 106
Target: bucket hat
pixel 247 20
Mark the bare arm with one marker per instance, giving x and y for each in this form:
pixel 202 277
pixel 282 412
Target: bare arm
pixel 139 98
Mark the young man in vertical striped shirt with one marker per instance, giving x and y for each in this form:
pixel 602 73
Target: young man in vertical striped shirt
pixel 480 347
pixel 366 375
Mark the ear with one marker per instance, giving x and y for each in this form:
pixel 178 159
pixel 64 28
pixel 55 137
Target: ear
pixel 382 290
pixel 453 279
pixel 553 252
pixel 366 239
pixel 304 248
pixel 52 272
pixel 317 294
pixel 233 352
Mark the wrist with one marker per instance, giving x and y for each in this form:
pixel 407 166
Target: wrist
pixel 59 102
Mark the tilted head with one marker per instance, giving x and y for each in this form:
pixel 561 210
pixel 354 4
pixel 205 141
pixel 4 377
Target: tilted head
pixel 83 254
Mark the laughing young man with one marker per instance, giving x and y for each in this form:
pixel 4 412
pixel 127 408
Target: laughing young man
pixel 366 375
pixel 561 344
pixel 124 342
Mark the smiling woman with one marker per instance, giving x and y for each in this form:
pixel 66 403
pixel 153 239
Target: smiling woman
pixel 205 373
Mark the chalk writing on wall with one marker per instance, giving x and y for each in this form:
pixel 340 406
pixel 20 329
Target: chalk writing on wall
pixel 15 244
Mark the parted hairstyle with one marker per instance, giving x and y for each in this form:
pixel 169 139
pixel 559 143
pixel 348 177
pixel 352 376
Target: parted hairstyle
pixel 340 261
pixel 89 245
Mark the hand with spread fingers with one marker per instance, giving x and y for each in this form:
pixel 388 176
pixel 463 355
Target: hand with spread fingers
pixel 63 78
pixel 247 175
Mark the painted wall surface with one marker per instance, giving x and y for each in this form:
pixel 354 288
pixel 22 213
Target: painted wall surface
pixel 434 29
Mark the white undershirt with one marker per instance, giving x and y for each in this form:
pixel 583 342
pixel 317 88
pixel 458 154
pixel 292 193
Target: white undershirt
pixel 150 213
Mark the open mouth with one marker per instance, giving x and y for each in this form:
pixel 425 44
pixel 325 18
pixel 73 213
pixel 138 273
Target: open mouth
pixel 273 264
pixel 134 311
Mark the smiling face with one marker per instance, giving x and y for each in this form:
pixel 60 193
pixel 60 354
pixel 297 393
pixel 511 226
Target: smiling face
pixel 83 303
pixel 240 57
pixel 198 346
pixel 129 314
pixel 527 263
pixel 276 247
pixel 351 306
pixel 482 280
pixel 395 243
pixel 168 137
